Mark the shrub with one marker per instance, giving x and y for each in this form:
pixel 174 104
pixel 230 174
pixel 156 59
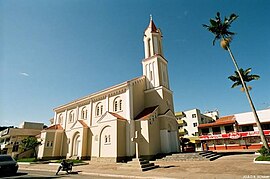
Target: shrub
pixel 264 152
pixel 263 158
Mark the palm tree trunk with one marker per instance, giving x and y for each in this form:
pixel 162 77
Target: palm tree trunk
pixel 263 138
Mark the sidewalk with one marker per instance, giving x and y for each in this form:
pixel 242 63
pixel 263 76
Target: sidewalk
pixel 235 166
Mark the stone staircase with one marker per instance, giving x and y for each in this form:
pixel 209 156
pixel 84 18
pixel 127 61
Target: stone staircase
pixel 210 155
pixel 138 164
pixel 195 156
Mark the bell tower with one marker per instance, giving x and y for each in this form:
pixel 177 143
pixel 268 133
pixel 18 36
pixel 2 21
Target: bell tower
pixel 154 64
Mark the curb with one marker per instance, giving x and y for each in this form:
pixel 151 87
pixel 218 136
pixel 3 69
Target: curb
pixel 123 176
pixel 105 175
pixel 261 162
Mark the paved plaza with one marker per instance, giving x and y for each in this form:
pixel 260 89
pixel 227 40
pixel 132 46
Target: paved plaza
pixel 233 166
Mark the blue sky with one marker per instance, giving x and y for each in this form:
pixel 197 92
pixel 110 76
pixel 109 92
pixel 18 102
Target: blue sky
pixel 52 52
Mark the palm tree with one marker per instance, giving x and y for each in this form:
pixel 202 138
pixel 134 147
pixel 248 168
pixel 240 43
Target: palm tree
pixel 221 31
pixel 246 77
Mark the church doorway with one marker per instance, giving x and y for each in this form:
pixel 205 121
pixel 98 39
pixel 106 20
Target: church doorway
pixel 172 139
pixel 76 145
pixel 105 142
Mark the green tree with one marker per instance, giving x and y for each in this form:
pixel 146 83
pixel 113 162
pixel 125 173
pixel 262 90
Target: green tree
pixel 220 29
pixel 246 78
pixel 30 143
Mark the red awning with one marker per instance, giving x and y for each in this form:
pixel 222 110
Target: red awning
pixel 233 135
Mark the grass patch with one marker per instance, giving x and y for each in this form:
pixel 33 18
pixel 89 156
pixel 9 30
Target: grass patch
pixel 27 160
pixel 263 158
pixel 74 161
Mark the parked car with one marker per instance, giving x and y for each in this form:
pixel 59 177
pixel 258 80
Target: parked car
pixel 8 166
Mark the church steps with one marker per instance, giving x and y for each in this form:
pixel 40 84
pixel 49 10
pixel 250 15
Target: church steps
pixel 202 156
pixel 139 164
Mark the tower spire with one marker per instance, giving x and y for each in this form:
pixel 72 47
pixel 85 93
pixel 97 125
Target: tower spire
pixel 154 64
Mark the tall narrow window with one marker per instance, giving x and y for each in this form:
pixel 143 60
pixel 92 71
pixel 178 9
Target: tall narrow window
pixel 71 116
pixel 84 113
pixel 115 105
pixel 60 119
pixel 101 109
pixel 149 47
pixel 120 105
pixel 97 111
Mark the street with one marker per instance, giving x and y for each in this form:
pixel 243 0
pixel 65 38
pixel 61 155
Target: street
pixel 226 167
pixel 47 174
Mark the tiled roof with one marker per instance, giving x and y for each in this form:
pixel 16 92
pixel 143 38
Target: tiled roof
pixel 117 116
pixel 219 122
pixel 144 115
pixel 54 127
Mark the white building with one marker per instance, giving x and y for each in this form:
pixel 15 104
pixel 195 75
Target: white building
pixel 189 121
pixel 108 124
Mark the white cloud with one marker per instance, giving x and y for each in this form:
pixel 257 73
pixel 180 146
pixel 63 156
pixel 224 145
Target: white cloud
pixel 24 74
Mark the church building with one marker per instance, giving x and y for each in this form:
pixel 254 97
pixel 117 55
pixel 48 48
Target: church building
pixel 133 118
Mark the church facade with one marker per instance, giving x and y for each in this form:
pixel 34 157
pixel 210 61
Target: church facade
pixel 133 118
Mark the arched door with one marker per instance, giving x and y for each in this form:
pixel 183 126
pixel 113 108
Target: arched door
pixel 106 148
pixel 76 145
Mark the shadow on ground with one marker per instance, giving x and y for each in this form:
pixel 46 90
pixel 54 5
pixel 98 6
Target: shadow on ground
pixel 168 166
pixel 23 175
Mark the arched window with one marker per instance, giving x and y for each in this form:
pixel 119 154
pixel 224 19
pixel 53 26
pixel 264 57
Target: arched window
pixel 117 104
pixel 60 119
pixel 84 113
pixel 99 109
pixel 71 116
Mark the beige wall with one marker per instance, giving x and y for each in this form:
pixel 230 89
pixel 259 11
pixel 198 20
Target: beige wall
pixel 48 150
pixel 57 143
pixel 154 137
pixel 159 97
pixel 121 138
pixel 143 137
pixel 138 95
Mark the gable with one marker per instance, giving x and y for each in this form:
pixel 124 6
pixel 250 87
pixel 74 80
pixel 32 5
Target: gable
pixel 110 116
pixel 79 124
